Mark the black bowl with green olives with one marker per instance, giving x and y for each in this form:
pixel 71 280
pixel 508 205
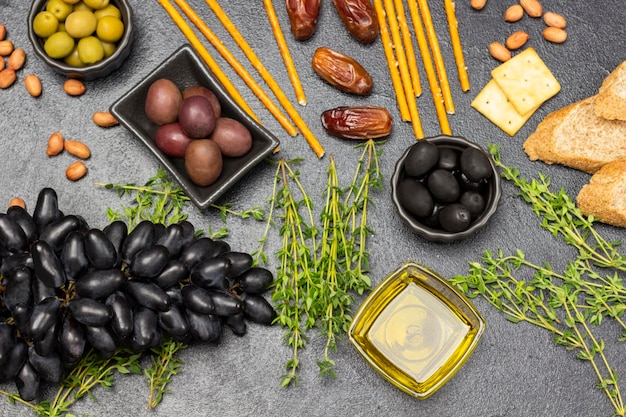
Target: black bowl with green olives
pixel 86 40
pixel 445 188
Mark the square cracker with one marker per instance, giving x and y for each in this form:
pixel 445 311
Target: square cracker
pixel 492 103
pixel 526 81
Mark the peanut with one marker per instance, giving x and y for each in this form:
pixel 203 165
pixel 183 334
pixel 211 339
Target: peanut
pixel 17 201
pixel 532 7
pixel 554 34
pixel 55 144
pixel 555 20
pixel 516 40
pixel 76 171
pixel 16 59
pixel 104 119
pixel 6 47
pixel 478 4
pixel 3 32
pixel 77 148
pixel 7 78
pixel 74 87
pixel 33 85
pixel 514 13
pixel 499 52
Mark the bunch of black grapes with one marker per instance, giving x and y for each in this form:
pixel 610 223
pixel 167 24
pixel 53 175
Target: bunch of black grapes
pixel 66 288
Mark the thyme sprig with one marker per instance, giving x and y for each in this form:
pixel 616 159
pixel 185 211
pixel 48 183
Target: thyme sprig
pixel 164 366
pixel 320 267
pixel 570 303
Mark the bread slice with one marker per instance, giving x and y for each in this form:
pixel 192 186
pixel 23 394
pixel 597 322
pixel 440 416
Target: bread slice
pixel 611 99
pixel 576 137
pixel 604 196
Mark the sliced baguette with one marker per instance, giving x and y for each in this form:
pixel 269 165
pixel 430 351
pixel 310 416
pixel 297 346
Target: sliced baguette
pixel 576 137
pixel 604 196
pixel 611 99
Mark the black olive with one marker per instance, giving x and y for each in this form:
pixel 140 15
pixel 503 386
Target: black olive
pixel 100 250
pixel 99 283
pixel 466 184
pixel 443 186
pixel 89 311
pixel 454 218
pixel 415 198
pixel 421 158
pixel 474 201
pixel 475 164
pixel 74 255
pixel 448 159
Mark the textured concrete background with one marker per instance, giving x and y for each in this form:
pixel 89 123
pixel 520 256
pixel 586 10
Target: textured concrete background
pixel 516 370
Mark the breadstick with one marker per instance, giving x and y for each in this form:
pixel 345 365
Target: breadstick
pixel 457 49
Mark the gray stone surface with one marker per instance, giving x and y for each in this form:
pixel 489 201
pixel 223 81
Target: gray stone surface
pixel 516 370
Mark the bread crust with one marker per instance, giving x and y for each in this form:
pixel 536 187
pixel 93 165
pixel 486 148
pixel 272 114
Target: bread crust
pixel 576 137
pixel 611 99
pixel 604 197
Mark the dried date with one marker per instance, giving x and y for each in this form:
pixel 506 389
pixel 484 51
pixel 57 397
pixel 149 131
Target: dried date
pixel 303 17
pixel 342 71
pixel 357 122
pixel 359 17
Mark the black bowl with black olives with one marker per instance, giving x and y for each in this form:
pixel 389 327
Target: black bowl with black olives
pixel 445 188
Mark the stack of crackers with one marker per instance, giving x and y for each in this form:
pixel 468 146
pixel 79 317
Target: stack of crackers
pixel 517 88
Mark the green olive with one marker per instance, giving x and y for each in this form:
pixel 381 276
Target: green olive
pixel 59 45
pixel 90 50
pixel 45 24
pixel 80 6
pixel 110 10
pixel 73 60
pixel 59 9
pixel 96 4
pixel 109 48
pixel 110 29
pixel 80 24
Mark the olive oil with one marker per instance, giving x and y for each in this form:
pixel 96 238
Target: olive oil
pixel 416 330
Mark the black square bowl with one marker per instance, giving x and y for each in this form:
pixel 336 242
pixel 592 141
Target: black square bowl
pixel 185 68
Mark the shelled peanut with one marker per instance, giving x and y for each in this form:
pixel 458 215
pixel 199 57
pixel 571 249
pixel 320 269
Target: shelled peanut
pixel 554 31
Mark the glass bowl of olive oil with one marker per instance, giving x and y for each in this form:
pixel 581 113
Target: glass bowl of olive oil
pixel 416 330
